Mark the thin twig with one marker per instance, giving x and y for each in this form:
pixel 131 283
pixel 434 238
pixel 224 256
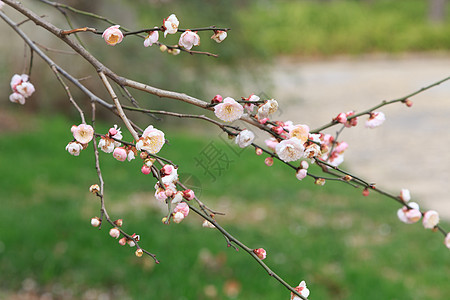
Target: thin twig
pixel 118 105
pixel 66 88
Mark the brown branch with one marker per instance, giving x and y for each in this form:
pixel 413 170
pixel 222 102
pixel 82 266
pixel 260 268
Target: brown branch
pixel 118 105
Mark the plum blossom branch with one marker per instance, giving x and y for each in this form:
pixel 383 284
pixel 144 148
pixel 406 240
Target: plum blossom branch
pixel 100 194
pixel 383 103
pixel 231 238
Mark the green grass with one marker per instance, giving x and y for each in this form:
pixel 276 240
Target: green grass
pixel 344 245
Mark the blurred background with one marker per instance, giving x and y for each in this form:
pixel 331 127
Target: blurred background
pixel 317 58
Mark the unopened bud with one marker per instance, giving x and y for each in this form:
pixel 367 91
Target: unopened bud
pixel 268 161
pixel 366 192
pixel 114 232
pixel 143 155
pixel 164 220
pixel 94 189
pixel 258 151
pixel 139 252
pixel 123 241
pixel 145 170
pixel 320 181
pixel 149 162
pixel 216 99
pixel 408 102
pixel 95 222
pixel 260 252
pixel 347 178
pixel 118 222
pixel 163 48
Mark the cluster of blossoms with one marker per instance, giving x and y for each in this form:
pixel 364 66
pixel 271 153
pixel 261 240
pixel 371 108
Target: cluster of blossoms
pixel 82 134
pixel 376 118
pixel 113 35
pixel 166 190
pixel 411 213
pixel 21 88
pixel 230 110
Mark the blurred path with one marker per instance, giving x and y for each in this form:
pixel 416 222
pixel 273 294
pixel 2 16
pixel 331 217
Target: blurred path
pixel 411 149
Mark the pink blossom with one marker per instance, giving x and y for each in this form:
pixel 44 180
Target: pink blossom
pixel 300 131
pixel 263 120
pixel 170 178
pixel 74 148
pixel 182 207
pixel 112 35
pixel 352 121
pixel 130 155
pixel 258 151
pixel 268 108
pixel 268 161
pixel 169 192
pixel 447 240
pixel 219 35
pixel 83 133
pixel 245 138
pixel 152 140
pixel 167 170
pixel 375 119
pixel 178 217
pixel 216 99
pixel 366 192
pixel 188 194
pixel 302 173
pixel 405 196
pixel 171 25
pixel 120 154
pixel 123 241
pixel 261 253
pixel 114 232
pixel 430 219
pixel 250 106
pixel 151 38
pixel 278 129
pixel 341 118
pixel 95 222
pixel 116 133
pixel 17 80
pixel 341 147
pixel 315 137
pixel 20 85
pixel 312 151
pixel 189 39
pixel 160 195
pixel 106 144
pixel 271 143
pixel 229 110
pixel 146 169
pixel 208 224
pixel 17 98
pixel 302 290
pixel 26 89
pixel 409 216
pixel 290 150
pixel 177 198
pixel 304 164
